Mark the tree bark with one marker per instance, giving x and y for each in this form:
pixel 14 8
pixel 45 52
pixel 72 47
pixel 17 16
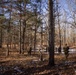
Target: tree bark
pixel 51 34
pixel 24 29
pixel 20 35
pixel 35 29
pixel 1 38
pixel 20 29
pixel 35 39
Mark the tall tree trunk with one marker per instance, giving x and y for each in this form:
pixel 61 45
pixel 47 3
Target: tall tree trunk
pixel 20 34
pixel 65 34
pixel 35 39
pixel 41 25
pixel 35 29
pixel 59 25
pixel 14 38
pixel 1 30
pixel 1 37
pixel 41 36
pixel 20 29
pixel 31 39
pixel 24 28
pixel 51 34
pixel 9 28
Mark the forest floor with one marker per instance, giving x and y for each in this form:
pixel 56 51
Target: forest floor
pixel 24 64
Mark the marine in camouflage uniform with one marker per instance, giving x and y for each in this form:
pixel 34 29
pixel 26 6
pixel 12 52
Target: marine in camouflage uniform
pixel 66 51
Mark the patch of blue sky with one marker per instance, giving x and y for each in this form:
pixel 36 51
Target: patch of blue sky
pixel 66 10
